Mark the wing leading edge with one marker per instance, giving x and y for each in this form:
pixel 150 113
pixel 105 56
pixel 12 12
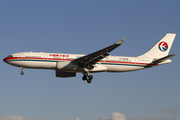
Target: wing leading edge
pixel 89 60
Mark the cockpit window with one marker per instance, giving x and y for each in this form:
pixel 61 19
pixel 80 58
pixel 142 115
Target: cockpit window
pixel 10 56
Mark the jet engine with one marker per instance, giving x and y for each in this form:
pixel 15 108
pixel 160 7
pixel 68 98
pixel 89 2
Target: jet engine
pixel 65 74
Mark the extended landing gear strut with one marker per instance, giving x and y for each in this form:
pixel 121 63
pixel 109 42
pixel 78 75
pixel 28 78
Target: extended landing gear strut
pixel 22 73
pixel 87 77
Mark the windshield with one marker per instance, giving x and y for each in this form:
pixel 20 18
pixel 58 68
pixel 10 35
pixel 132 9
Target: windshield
pixel 10 56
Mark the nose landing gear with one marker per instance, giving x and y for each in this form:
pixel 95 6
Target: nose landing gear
pixel 22 73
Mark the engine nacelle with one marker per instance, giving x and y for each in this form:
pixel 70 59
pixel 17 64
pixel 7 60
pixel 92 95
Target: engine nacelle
pixel 65 74
pixel 66 65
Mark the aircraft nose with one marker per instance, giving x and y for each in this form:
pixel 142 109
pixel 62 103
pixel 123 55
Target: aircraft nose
pixel 5 59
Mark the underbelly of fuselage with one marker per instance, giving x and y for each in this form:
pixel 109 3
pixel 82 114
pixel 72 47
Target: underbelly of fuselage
pixel 34 64
pixel 53 65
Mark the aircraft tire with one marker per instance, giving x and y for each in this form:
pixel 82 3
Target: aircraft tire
pixel 90 77
pixel 84 78
pixel 89 81
pixel 22 73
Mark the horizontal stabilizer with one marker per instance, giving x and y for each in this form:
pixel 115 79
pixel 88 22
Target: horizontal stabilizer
pixel 163 59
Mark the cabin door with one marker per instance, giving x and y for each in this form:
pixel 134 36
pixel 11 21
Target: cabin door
pixel 136 61
pixel 45 56
pixel 20 56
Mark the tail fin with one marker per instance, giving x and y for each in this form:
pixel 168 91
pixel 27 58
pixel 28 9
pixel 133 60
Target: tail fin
pixel 162 48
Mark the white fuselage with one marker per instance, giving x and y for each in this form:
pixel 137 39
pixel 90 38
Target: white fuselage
pixel 40 60
pixel 67 65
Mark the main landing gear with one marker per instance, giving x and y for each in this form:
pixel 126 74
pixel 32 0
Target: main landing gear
pixel 22 73
pixel 87 77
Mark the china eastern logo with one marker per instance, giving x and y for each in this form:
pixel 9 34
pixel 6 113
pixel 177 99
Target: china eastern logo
pixel 163 46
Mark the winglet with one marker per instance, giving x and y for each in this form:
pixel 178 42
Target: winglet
pixel 121 41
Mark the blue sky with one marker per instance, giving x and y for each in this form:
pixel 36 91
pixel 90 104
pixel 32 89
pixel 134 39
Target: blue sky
pixel 84 27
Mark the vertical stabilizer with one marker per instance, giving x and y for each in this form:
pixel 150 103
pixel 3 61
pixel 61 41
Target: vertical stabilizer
pixel 162 48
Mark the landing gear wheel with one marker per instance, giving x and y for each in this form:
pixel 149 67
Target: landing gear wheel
pixel 84 78
pixel 90 77
pixel 85 73
pixel 89 81
pixel 22 73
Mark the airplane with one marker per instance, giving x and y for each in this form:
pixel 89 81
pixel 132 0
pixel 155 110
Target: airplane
pixel 67 65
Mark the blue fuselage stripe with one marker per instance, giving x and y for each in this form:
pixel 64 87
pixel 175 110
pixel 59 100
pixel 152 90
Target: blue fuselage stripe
pixel 103 63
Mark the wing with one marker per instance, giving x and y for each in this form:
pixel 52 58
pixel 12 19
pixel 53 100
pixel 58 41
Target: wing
pixel 91 59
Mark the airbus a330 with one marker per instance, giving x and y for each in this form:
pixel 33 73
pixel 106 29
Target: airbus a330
pixel 67 65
